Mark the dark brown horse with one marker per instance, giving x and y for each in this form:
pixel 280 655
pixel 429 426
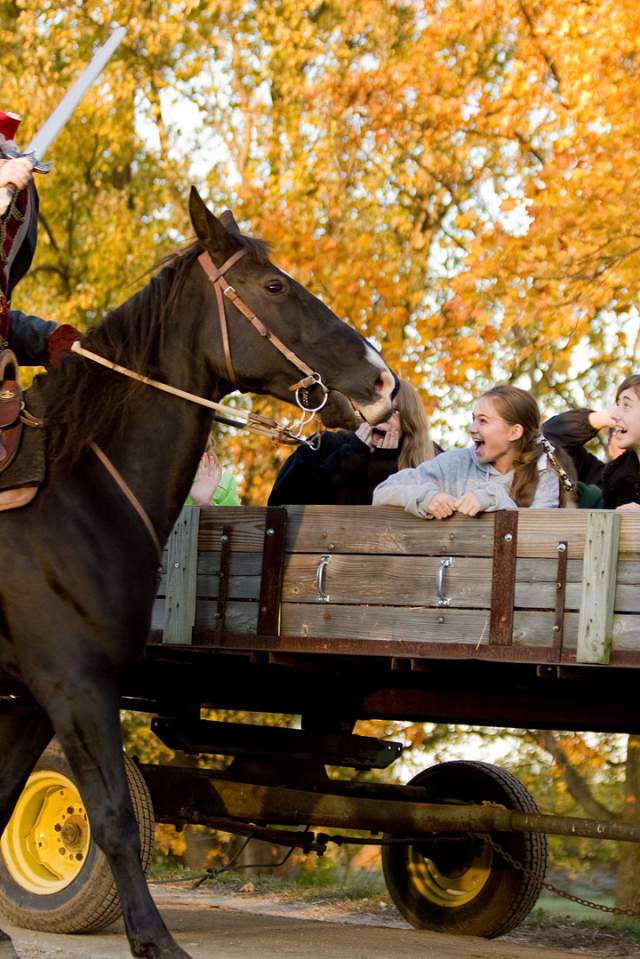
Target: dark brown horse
pixel 78 567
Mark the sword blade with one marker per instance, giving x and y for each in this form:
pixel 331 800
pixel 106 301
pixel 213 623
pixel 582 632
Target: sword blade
pixel 52 127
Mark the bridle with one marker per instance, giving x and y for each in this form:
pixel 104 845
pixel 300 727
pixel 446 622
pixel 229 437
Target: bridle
pixel 223 289
pixel 242 419
pixel 222 413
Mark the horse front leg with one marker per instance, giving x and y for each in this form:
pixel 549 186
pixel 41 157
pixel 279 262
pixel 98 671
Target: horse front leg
pixel 86 721
pixel 25 732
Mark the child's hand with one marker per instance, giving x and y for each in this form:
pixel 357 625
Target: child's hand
pixel 364 433
pixel 468 505
pixel 207 479
pixel 600 419
pixel 391 440
pixel 442 505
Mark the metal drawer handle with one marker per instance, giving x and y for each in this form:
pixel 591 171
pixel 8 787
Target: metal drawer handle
pixel 445 563
pixel 321 577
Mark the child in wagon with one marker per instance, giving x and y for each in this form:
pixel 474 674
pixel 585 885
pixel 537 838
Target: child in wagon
pixel 509 465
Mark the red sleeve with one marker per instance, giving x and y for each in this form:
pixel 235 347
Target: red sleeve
pixel 62 339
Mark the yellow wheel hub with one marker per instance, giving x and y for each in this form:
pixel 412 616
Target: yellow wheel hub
pixel 449 890
pixel 45 844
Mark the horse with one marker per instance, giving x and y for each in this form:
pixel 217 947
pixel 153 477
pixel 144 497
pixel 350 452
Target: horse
pixel 79 564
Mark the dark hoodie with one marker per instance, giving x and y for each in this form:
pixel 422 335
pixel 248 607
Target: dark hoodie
pixel 343 471
pixel 620 481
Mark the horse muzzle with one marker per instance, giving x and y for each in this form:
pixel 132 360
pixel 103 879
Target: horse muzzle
pixel 381 409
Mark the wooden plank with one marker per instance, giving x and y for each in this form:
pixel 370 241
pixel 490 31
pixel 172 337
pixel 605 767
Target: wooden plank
pixel 626 633
pixel 368 529
pixel 273 559
pixel 386 580
pixel 247 522
pixel 503 578
pixel 598 587
pixel 629 543
pixel 370 625
pixel 365 529
pixel 182 565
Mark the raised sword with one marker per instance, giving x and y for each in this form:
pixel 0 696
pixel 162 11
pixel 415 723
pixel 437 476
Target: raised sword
pixel 50 129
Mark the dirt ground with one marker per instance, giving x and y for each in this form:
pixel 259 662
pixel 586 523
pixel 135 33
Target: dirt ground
pixel 217 924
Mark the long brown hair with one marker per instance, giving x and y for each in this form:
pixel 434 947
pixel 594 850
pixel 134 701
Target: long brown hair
pixel 518 407
pixel 631 382
pixel 417 445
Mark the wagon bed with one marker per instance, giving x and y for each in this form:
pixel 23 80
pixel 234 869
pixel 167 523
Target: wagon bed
pixel 527 618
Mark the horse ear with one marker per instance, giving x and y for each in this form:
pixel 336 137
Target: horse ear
pixel 229 223
pixel 208 228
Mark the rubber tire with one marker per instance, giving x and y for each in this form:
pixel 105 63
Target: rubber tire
pixel 90 901
pixel 508 894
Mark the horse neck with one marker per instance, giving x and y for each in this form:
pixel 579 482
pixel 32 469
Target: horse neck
pixel 164 438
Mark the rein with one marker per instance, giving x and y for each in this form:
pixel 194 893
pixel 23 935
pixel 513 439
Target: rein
pixel 225 414
pixel 248 419
pixel 252 421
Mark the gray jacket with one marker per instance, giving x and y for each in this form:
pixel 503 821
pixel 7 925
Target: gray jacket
pixel 458 472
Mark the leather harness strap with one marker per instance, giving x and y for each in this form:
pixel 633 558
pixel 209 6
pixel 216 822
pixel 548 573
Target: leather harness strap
pixel 130 495
pixel 215 275
pixel 222 289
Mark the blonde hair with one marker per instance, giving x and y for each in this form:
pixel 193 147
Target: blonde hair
pixel 417 445
pixel 518 407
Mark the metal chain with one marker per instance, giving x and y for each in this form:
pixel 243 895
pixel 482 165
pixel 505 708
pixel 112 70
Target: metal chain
pixel 554 889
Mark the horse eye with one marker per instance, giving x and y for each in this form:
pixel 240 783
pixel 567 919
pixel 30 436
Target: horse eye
pixel 275 286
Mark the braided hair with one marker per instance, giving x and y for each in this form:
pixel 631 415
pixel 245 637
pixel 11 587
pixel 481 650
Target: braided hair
pixel 518 407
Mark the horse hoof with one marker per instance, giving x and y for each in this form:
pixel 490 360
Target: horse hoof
pixel 6 949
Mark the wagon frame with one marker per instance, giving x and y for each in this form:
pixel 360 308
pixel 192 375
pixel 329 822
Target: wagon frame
pixel 521 618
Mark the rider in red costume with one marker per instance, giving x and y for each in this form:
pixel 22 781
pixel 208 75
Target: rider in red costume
pixel 33 340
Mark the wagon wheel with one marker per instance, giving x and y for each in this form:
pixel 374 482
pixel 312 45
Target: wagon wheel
pixel 53 877
pixel 464 886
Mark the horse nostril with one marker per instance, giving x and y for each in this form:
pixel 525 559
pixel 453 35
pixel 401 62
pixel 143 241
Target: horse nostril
pixel 386 384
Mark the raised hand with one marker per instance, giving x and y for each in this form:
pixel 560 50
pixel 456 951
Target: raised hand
pixel 206 480
pixel 364 433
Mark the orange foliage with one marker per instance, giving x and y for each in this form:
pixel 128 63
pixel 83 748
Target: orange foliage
pixel 458 179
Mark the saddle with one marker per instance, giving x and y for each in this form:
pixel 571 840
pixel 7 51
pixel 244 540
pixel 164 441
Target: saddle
pixel 10 408
pixel 11 427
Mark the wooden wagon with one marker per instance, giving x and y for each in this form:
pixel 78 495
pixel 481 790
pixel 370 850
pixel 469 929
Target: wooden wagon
pixel 522 619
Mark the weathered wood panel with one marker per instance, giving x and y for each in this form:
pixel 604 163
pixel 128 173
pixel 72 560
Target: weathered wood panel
pixel 598 588
pixel 372 625
pixel 407 580
pixel 181 580
pixel 367 529
pixel 247 522
pixel 382 577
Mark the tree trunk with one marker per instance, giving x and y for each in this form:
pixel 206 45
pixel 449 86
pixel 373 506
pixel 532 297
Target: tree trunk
pixel 628 885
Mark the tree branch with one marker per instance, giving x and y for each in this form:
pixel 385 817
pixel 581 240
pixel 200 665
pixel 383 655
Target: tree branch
pixel 576 783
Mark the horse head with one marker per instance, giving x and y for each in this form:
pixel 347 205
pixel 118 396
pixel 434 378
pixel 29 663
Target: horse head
pixel 315 340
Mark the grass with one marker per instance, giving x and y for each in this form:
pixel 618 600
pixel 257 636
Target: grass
pixel 551 910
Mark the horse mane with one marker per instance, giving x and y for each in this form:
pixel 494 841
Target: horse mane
pixel 85 402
